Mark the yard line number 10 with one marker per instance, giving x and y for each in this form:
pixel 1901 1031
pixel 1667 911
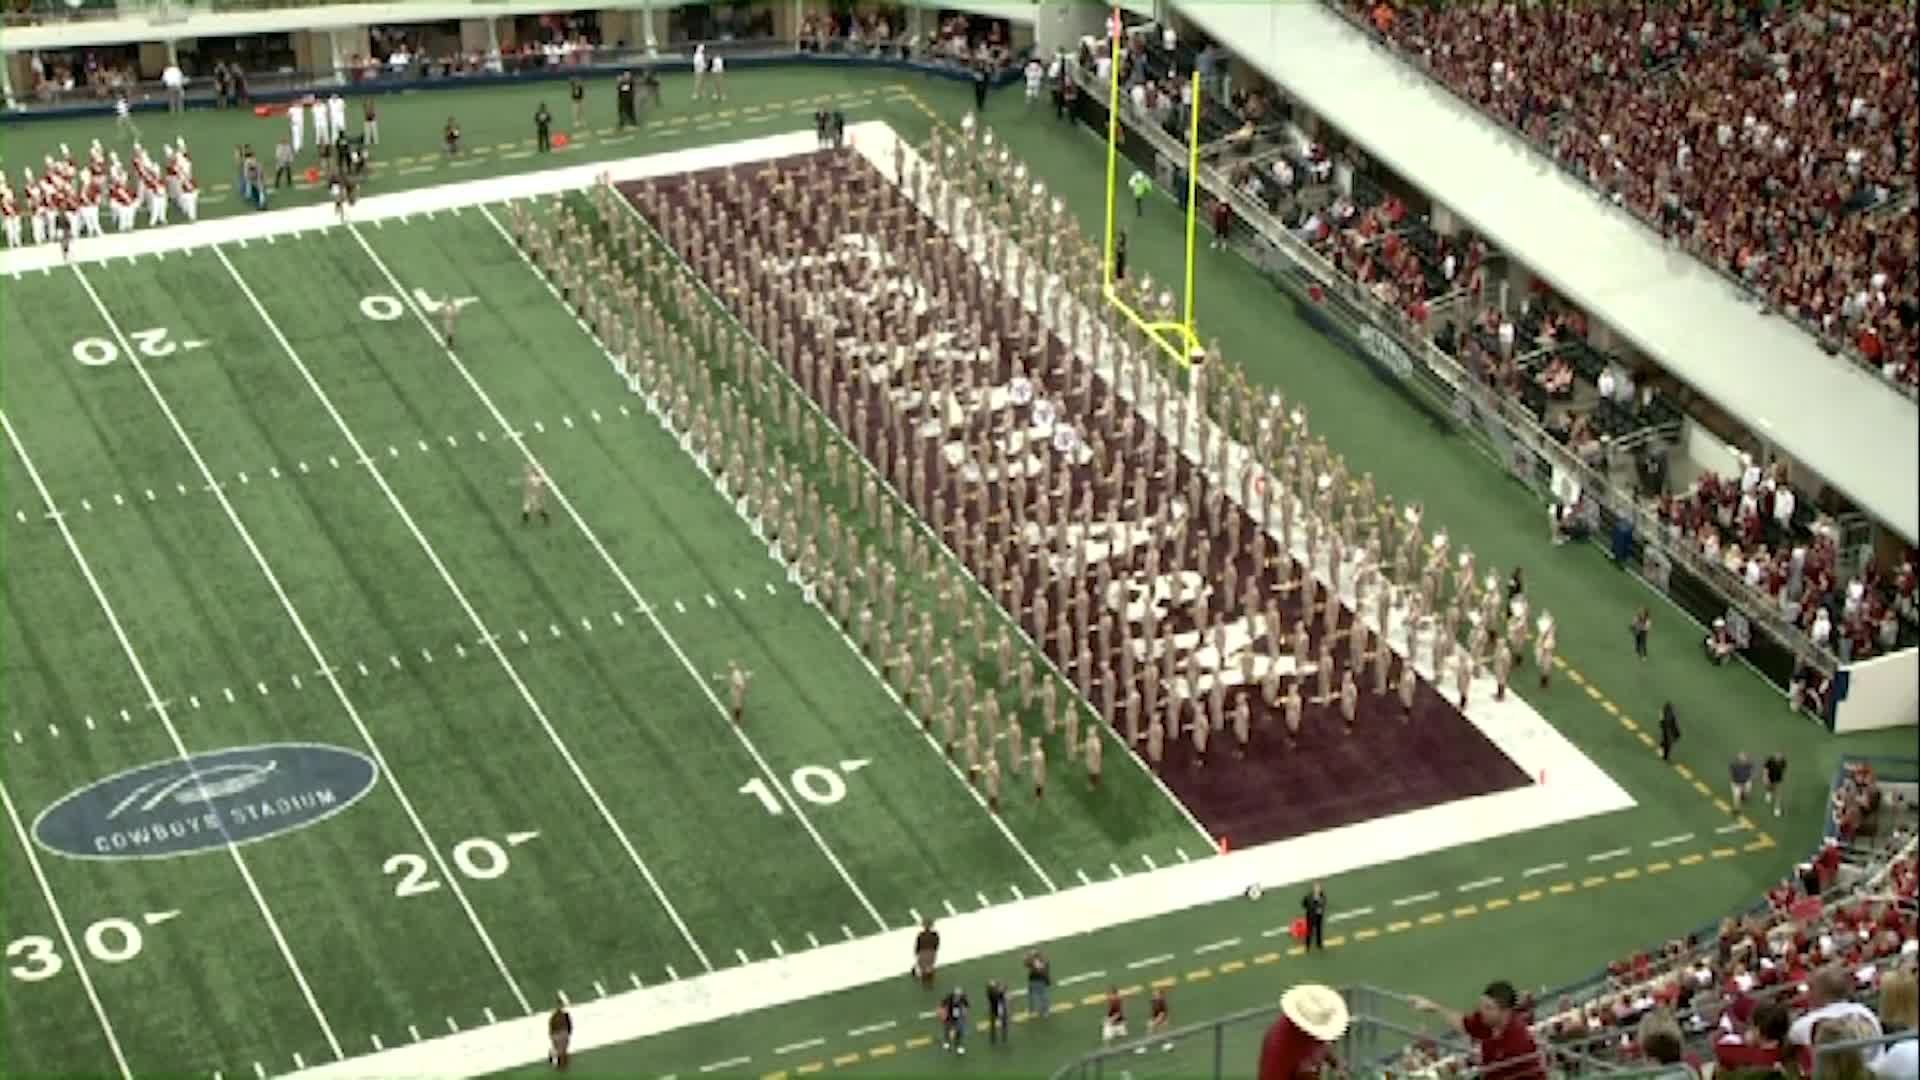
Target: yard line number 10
pixel 817 784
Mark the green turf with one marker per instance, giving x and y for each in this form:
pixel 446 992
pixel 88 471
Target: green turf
pixel 211 988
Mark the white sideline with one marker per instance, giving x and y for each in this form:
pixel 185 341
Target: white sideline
pixel 1576 788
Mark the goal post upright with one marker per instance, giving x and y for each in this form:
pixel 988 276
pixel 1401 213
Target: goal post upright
pixel 1180 340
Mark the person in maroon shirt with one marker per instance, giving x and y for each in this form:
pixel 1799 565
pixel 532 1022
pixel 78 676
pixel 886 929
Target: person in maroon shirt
pixel 1507 1049
pixel 1312 1019
pixel 1763 1044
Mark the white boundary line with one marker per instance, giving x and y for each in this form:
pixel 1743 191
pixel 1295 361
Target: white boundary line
pixel 640 603
pixel 154 699
pixel 952 769
pixel 327 670
pixel 60 921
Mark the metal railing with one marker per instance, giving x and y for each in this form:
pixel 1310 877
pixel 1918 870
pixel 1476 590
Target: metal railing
pixel 1389 340
pixel 1746 288
pixel 1382 1026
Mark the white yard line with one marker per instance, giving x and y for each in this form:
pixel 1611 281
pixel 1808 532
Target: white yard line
pixel 60 922
pixel 1604 856
pixel 640 603
pixel 1671 840
pixel 953 768
pixel 353 713
pixel 1533 871
pixel 159 704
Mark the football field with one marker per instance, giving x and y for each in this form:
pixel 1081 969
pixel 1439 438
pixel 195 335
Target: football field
pixel 312 749
pixel 298 702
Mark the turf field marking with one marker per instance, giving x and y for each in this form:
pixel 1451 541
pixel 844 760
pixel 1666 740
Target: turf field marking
pixel 1734 826
pixel 1216 946
pixel 742 954
pixel 952 912
pixel 298 1061
pixel 491 1019
pixel 1017 894
pixel 804 1044
pixel 375 1040
pixel 1417 898
pixel 982 897
pixel 1117 872
pixel 1671 840
pixel 1548 868
pixel 1356 913
pixel 59 917
pixel 872 1029
pixel 1472 886
pixel 1603 856
pixel 736 1062
pixel 633 593
pixel 413 1031
pixel 1084 976
pixel 1151 961
pixel 1084 879
pixel 260 1070
pixel 299 624
pixel 160 709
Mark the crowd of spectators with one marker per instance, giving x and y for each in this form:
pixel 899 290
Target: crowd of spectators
pixel 1775 141
pixel 882 31
pixel 1766 987
pixel 100 74
pixel 1758 530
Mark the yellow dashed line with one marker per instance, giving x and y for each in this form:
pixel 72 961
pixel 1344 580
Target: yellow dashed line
pixel 1198 974
pixel 1129 991
pixel 1497 903
pixel 1162 984
pixel 1365 935
pixel 1628 722
pixel 919 1041
pixel 1683 770
pixel 1574 674
pixel 1644 737
pixel 1266 958
pixel 1692 860
pixel 846 1059
pixel 1465 912
pixel 1628 873
pixel 1433 917
pixel 1093 999
pixel 1067 1006
pixel 774 1075
pixel 1724 853
pixel 1659 867
pixel 1232 966
pixel 1529 896
pixel 1297 950
pixel 1335 942
pixel 1612 709
pixel 1561 887
pixel 1594 693
pixel 1396 927
pixel 812 1067
pixel 1590 883
pixel 1762 844
pixel 883 1051
pixel 1721 805
pixel 1560 662
pixel 1703 789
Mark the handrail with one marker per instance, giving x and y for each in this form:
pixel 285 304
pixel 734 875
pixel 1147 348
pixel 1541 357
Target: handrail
pixel 1827 342
pixel 1409 348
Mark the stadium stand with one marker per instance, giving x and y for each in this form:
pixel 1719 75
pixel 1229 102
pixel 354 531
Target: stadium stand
pixel 1773 141
pixel 1768 546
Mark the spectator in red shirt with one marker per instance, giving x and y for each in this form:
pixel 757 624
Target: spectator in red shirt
pixel 1312 1019
pixel 1507 1049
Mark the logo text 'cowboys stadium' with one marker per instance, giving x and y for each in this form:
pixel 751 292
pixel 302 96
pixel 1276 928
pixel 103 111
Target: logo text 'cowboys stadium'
pixel 183 806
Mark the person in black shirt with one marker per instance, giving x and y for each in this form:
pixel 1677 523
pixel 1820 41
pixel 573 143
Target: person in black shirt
pixel 1314 907
pixel 577 94
pixel 999 1017
pixel 543 127
pixel 1775 768
pixel 1039 984
pixel 953 1021
pixel 837 128
pixel 623 99
pixel 926 952
pixel 980 88
pixel 1669 731
pixel 820 128
pixel 1642 625
pixel 559 1035
pixel 1120 257
pixel 451 134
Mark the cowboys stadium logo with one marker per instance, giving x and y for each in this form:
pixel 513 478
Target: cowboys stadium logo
pixel 183 806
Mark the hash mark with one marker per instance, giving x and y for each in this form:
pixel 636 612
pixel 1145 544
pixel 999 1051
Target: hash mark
pixel 847 930
pixel 149 494
pixel 599 989
pixel 742 954
pixel 771 591
pixel 259 1070
pixel 298 1061
pixel 1017 894
pixel 617 620
pixel 413 1031
pixel 586 624
pixel 711 602
pixel 243 478
pixel 182 487
pixel 481 435
pixel 227 690
pixel 89 723
pixel 453 442
pixel 363 669
pixel 737 592
pixel 679 607
pixel 375 1040
pixel 262 687
pixel 1148 859
pixel 951 910
pixel 635 980
pixel 17 738
pixel 427 656
pixel 54 731
pixel 394 452
pixel 451 1026
pixel 524 639
pixel 394 660
pixel 295 679
pixel 127 717
pixel 333 461
pixel 1084 879
pixel 423 445
pixel 539 428
pixel 273 471
pixel 812 942
pixel 85 505
pixel 554 629
pixel 672 974
pixel 567 420
pixel 459 650
pixel 303 468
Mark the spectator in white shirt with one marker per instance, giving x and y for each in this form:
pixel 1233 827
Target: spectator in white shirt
pixel 1783 506
pixel 1830 988
pixel 1607 383
pixel 1506 338
pixel 1749 475
pixel 1168 39
pixel 175 81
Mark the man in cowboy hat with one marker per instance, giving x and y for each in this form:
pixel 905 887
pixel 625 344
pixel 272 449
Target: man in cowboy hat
pixel 1312 1019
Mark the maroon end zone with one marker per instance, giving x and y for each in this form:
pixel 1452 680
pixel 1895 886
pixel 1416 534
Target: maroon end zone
pixel 1387 765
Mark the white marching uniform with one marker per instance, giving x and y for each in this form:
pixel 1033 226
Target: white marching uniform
pixel 322 125
pixel 337 111
pixel 296 125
